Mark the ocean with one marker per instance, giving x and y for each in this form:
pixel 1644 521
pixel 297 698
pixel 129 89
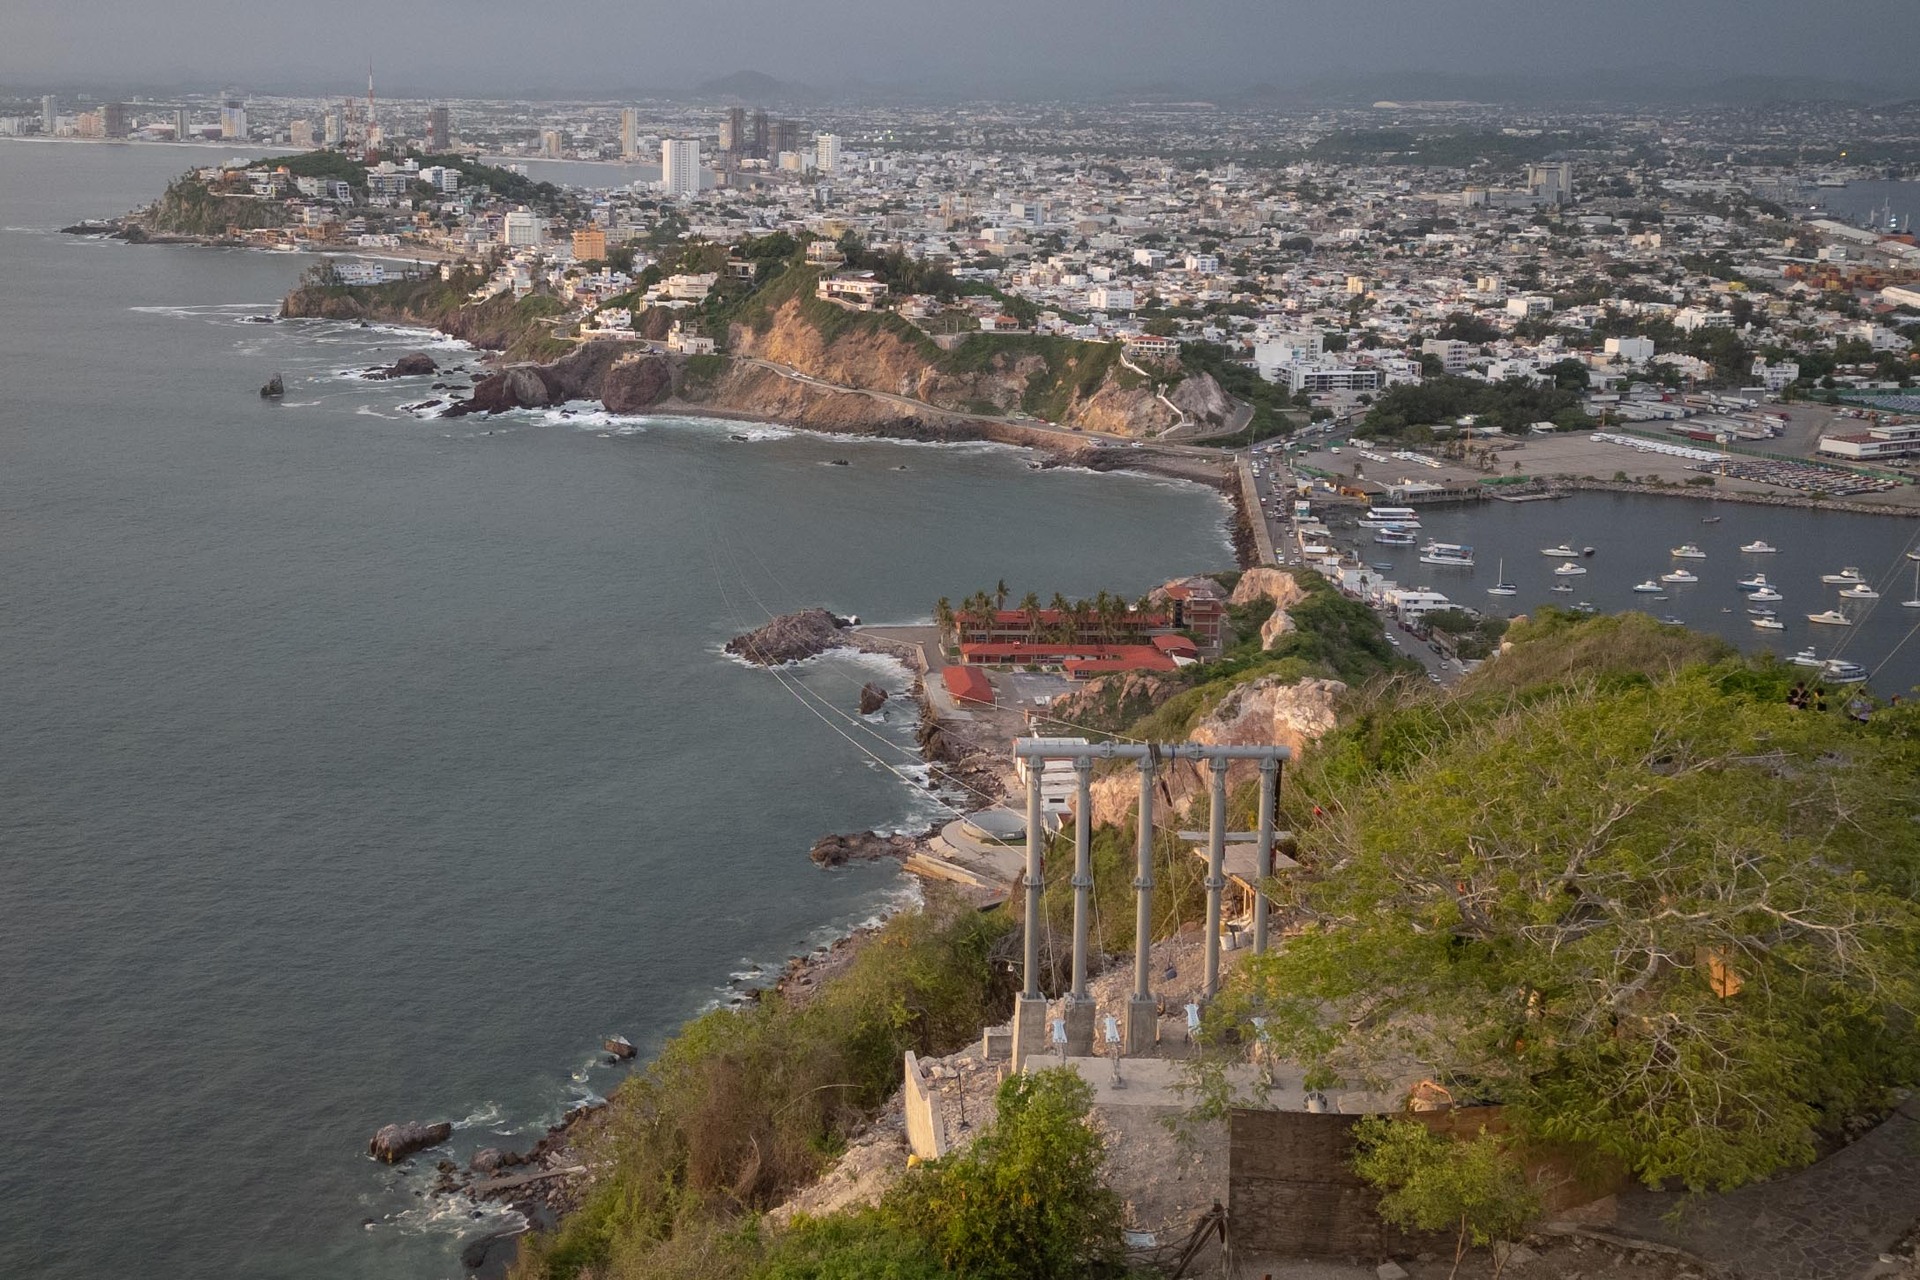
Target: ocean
pixel 364 766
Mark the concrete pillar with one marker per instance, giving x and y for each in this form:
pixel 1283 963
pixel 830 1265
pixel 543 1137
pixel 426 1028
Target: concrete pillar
pixel 1143 1019
pixel 1077 1013
pixel 1030 1011
pixel 1216 872
pixel 1269 784
pixel 1082 871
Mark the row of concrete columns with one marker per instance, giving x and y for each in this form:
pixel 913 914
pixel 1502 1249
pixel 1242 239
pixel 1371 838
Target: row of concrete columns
pixel 1141 1023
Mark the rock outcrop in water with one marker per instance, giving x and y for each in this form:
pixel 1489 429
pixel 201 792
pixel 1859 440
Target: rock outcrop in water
pixel 415 364
pixel 872 698
pixel 396 1142
pixel 792 637
pixel 866 846
pixel 275 388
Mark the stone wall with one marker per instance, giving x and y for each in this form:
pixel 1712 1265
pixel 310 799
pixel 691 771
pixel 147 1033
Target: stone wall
pixel 926 1134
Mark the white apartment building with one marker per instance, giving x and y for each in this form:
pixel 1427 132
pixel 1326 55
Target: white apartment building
pixel 1454 355
pixel 1320 378
pixel 1110 297
pixel 1688 319
pixel 1529 304
pixel 1633 350
pixel 1774 377
pixel 826 152
pixel 679 167
pixel 522 229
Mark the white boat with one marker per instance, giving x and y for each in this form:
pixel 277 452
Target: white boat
pixel 1758 582
pixel 1830 618
pixel 1807 658
pixel 1679 575
pixel 1649 587
pixel 1564 587
pixel 1563 551
pixel 1845 578
pixel 1839 672
pixel 1767 593
pixel 1769 624
pixel 1390 517
pixel 1501 587
pixel 1859 591
pixel 1915 602
pixel 1393 537
pixel 1585 606
pixel 1687 551
pixel 1759 547
pixel 1447 553
pixel 1761 613
pixel 1569 569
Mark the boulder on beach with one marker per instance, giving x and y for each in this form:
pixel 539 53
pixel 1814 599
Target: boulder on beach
pixel 396 1142
pixel 486 1161
pixel 275 388
pixel 619 1046
pixel 792 637
pixel 872 698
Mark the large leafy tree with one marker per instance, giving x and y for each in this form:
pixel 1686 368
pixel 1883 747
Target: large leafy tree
pixel 1671 918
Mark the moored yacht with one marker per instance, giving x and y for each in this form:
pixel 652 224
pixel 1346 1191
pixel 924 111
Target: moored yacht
pixel 1569 569
pixel 1501 587
pixel 1447 553
pixel 1758 582
pixel 1766 593
pixel 1769 624
pixel 1807 658
pixel 1392 536
pixel 1390 517
pixel 1840 672
pixel 1679 575
pixel 1649 587
pixel 1687 551
pixel 1759 547
pixel 1564 551
pixel 1845 578
pixel 1859 591
pixel 1830 618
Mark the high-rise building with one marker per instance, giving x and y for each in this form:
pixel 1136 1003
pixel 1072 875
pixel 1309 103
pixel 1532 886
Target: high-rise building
pixel 49 114
pixel 786 136
pixel 826 152
pixel 336 126
pixel 439 129
pixel 181 127
pixel 113 120
pixel 550 143
pixel 233 118
pixel 1550 183
pixel 522 229
pixel 680 167
pixel 759 144
pixel 630 133
pixel 733 131
pixel 300 134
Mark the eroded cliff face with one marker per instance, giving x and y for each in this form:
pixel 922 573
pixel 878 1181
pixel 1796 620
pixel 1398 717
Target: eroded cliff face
pixel 876 359
pixel 1257 713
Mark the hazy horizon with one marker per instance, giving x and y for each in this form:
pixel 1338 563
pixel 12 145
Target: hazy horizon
pixel 1068 48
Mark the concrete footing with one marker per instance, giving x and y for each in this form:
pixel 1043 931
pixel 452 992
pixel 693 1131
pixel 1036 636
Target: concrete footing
pixel 1142 1030
pixel 1079 1019
pixel 1030 1037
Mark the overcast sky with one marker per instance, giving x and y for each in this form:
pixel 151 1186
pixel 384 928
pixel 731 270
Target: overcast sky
pixel 594 47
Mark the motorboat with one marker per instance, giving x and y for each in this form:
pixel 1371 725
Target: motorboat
pixel 1671 621
pixel 1759 547
pixel 1838 672
pixel 1585 606
pixel 1758 582
pixel 1390 518
pixel 1586 551
pixel 1565 588
pixel 1845 578
pixel 1830 618
pixel 1501 587
pixel 1394 537
pixel 1447 553
pixel 1769 624
pixel 1766 593
pixel 1859 591
pixel 1761 613
pixel 1687 551
pixel 1807 658
pixel 1709 519
pixel 1563 551
pixel 1679 575
pixel 1569 570
pixel 1649 587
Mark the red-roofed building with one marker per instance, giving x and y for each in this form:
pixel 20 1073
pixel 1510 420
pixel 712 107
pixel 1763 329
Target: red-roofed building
pixel 967 684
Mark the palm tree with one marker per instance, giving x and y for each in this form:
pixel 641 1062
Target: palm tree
pixel 1103 610
pixel 1030 606
pixel 1062 619
pixel 1000 594
pixel 943 617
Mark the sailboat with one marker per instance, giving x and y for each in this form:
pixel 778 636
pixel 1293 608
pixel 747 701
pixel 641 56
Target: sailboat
pixel 1501 587
pixel 1915 602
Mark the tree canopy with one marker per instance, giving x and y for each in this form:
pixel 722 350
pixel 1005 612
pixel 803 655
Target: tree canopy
pixel 1668 916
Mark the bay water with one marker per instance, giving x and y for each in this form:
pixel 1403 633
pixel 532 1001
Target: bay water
pixel 360 765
